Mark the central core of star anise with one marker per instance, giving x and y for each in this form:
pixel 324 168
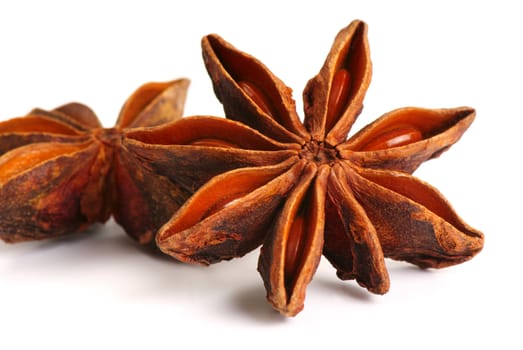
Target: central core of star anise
pixel 319 152
pixel 108 136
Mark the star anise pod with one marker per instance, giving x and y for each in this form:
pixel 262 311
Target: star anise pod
pixel 354 201
pixel 61 171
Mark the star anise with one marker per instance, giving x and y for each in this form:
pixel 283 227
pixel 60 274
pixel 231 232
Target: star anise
pixel 61 171
pixel 315 192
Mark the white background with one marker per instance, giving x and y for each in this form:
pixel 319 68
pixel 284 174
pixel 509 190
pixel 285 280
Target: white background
pixel 99 290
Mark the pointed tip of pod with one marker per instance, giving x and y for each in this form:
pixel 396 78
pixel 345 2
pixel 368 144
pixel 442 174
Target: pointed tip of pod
pixel 154 103
pixel 287 310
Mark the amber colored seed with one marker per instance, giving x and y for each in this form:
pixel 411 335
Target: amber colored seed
pixel 256 95
pixel 399 135
pixel 293 247
pixel 212 143
pixel 338 97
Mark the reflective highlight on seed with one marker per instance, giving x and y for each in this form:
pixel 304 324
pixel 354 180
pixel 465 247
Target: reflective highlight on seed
pixel 294 243
pixel 398 135
pixel 257 96
pixel 212 143
pixel 338 97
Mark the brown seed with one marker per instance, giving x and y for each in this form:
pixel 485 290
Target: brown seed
pixel 294 241
pixel 212 143
pixel 257 96
pixel 395 136
pixel 340 90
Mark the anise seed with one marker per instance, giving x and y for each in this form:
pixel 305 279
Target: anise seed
pixel 257 96
pixel 338 96
pixel 294 242
pixel 212 143
pixel 397 135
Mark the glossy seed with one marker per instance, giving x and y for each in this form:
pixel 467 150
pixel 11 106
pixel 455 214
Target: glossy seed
pixel 257 96
pixel 212 143
pixel 293 247
pixel 398 135
pixel 338 97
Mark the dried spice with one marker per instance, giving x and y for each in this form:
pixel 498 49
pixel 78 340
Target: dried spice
pixel 61 171
pixel 314 191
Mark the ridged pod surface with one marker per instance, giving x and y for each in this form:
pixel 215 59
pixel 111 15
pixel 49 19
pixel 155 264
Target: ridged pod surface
pixel 314 191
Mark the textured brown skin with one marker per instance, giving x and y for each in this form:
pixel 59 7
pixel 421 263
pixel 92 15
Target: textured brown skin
pixel 49 201
pixel 358 206
pixel 58 194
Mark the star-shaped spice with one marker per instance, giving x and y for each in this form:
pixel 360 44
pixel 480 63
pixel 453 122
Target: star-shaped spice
pixel 61 171
pixel 314 192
